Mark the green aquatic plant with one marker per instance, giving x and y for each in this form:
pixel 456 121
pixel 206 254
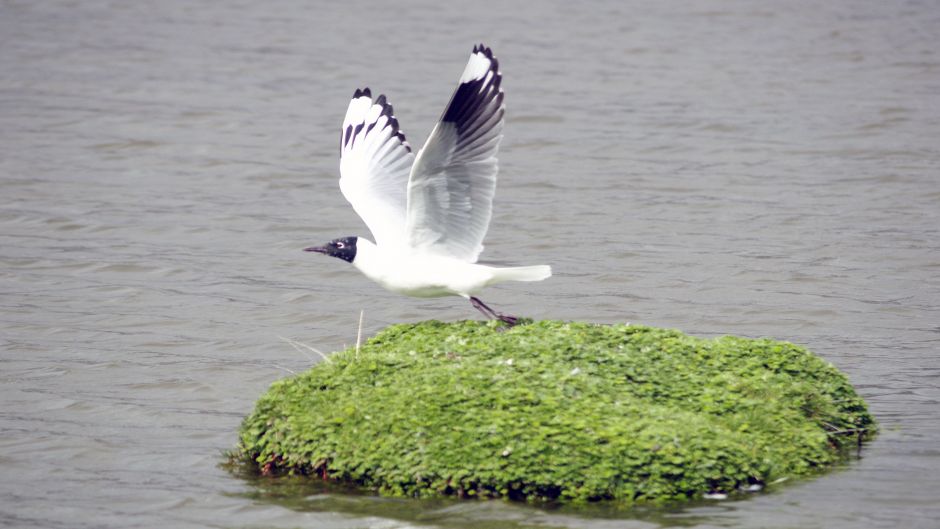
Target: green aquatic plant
pixel 557 411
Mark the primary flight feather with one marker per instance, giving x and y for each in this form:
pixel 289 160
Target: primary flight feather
pixel 428 213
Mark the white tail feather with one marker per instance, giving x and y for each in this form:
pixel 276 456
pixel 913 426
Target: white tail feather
pixel 521 273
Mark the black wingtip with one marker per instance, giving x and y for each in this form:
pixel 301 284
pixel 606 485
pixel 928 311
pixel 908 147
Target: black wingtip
pixel 404 142
pixel 484 49
pixel 472 97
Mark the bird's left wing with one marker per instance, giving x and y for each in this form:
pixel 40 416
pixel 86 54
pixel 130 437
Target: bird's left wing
pixel 374 166
pixel 453 180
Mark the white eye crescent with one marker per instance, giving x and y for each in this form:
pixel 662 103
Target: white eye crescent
pixel 340 245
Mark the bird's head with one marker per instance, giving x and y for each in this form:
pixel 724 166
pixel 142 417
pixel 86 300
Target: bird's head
pixel 344 248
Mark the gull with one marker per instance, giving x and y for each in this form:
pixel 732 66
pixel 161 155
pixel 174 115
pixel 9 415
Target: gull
pixel 427 212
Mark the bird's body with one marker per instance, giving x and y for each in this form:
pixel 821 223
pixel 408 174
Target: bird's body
pixel 432 276
pixel 430 212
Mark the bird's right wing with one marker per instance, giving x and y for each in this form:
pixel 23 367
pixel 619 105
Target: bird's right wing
pixel 452 183
pixel 374 166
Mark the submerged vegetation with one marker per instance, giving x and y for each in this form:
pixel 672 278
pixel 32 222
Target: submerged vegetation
pixel 557 411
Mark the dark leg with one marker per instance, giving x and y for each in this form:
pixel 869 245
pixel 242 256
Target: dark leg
pixel 482 307
pixel 490 313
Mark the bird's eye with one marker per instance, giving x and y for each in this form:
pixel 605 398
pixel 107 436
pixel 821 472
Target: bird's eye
pixel 340 245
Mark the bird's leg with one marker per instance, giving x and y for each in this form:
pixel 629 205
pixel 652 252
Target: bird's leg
pixel 490 313
pixel 482 307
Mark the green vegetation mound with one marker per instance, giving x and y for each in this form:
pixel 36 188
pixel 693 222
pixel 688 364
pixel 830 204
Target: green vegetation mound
pixel 557 411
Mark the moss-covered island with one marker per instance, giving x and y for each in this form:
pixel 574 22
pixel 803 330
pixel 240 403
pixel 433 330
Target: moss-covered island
pixel 558 411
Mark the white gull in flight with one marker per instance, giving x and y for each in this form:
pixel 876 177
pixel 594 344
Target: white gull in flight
pixel 428 212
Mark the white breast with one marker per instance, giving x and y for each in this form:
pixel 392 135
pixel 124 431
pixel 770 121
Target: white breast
pixel 423 276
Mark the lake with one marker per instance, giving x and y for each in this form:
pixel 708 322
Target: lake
pixel 757 169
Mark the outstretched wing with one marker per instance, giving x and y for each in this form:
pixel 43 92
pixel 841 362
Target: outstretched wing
pixel 453 180
pixel 374 166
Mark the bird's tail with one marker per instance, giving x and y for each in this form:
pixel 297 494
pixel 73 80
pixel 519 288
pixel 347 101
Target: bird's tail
pixel 521 273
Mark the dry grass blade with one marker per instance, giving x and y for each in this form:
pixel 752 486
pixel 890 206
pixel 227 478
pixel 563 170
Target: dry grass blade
pixel 300 347
pixel 359 332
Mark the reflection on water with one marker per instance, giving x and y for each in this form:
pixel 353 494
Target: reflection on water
pixel 720 168
pixel 304 495
pixel 310 495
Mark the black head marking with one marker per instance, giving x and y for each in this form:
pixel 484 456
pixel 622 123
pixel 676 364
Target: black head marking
pixel 344 248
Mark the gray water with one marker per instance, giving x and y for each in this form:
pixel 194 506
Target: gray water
pixel 750 168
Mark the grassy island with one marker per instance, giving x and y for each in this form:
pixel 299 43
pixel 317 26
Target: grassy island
pixel 557 411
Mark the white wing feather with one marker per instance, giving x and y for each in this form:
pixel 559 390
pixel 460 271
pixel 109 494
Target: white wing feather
pixel 374 167
pixel 453 180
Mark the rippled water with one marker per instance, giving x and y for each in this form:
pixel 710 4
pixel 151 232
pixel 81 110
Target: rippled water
pixel 752 168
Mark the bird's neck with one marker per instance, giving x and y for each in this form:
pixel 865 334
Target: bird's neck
pixel 368 257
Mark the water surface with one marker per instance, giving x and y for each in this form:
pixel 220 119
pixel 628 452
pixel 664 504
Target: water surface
pixel 718 167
